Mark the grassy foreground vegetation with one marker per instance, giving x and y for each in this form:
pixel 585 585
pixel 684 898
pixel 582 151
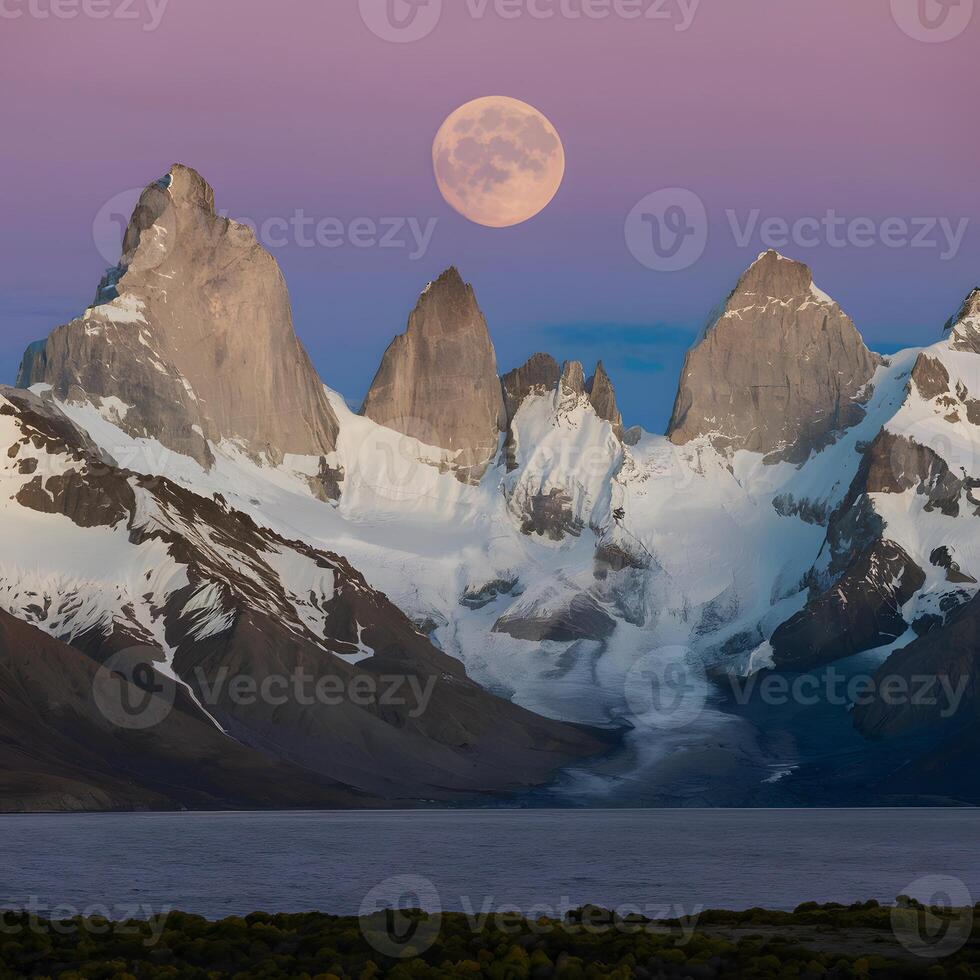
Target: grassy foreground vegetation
pixel 832 941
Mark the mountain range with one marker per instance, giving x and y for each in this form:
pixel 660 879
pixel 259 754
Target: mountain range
pixel 184 501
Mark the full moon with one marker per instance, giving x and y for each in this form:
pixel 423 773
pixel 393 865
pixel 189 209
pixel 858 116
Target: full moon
pixel 498 161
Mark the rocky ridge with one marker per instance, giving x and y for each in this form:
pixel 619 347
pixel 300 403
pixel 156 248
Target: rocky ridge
pixel 438 382
pixel 781 370
pixel 812 501
pixel 190 338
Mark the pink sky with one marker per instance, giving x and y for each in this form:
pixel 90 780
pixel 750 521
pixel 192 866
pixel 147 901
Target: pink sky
pixel 791 107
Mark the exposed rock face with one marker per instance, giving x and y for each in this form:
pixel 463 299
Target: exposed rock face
pixel 550 515
pixel 964 327
pixel 580 617
pixel 59 752
pixel 620 569
pixel 930 380
pixel 942 672
pixel 895 464
pixel 479 596
pixel 561 448
pixel 780 371
pixel 572 378
pixel 857 591
pixel 539 374
pixel 602 395
pixel 438 381
pixel 236 599
pixel 942 557
pixel 861 611
pixel 930 377
pixel 192 333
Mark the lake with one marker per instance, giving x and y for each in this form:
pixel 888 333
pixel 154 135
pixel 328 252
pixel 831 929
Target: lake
pixel 660 862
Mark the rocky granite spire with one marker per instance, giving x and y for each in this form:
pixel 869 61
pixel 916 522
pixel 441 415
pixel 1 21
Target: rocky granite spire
pixel 190 337
pixel 438 380
pixel 572 378
pixel 602 395
pixel 780 371
pixel 964 328
pixel 539 374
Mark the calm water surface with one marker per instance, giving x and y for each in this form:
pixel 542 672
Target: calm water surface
pixel 218 864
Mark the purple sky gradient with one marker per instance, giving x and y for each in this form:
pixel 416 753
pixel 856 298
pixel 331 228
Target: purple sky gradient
pixel 789 107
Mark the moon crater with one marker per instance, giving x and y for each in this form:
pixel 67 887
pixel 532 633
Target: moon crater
pixel 498 161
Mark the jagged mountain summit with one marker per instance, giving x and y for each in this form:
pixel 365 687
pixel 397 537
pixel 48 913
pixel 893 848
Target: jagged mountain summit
pixel 190 338
pixel 438 380
pixel 812 507
pixel 781 369
pixel 964 327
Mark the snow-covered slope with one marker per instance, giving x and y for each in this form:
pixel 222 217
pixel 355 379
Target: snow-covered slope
pixel 833 515
pixel 106 560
